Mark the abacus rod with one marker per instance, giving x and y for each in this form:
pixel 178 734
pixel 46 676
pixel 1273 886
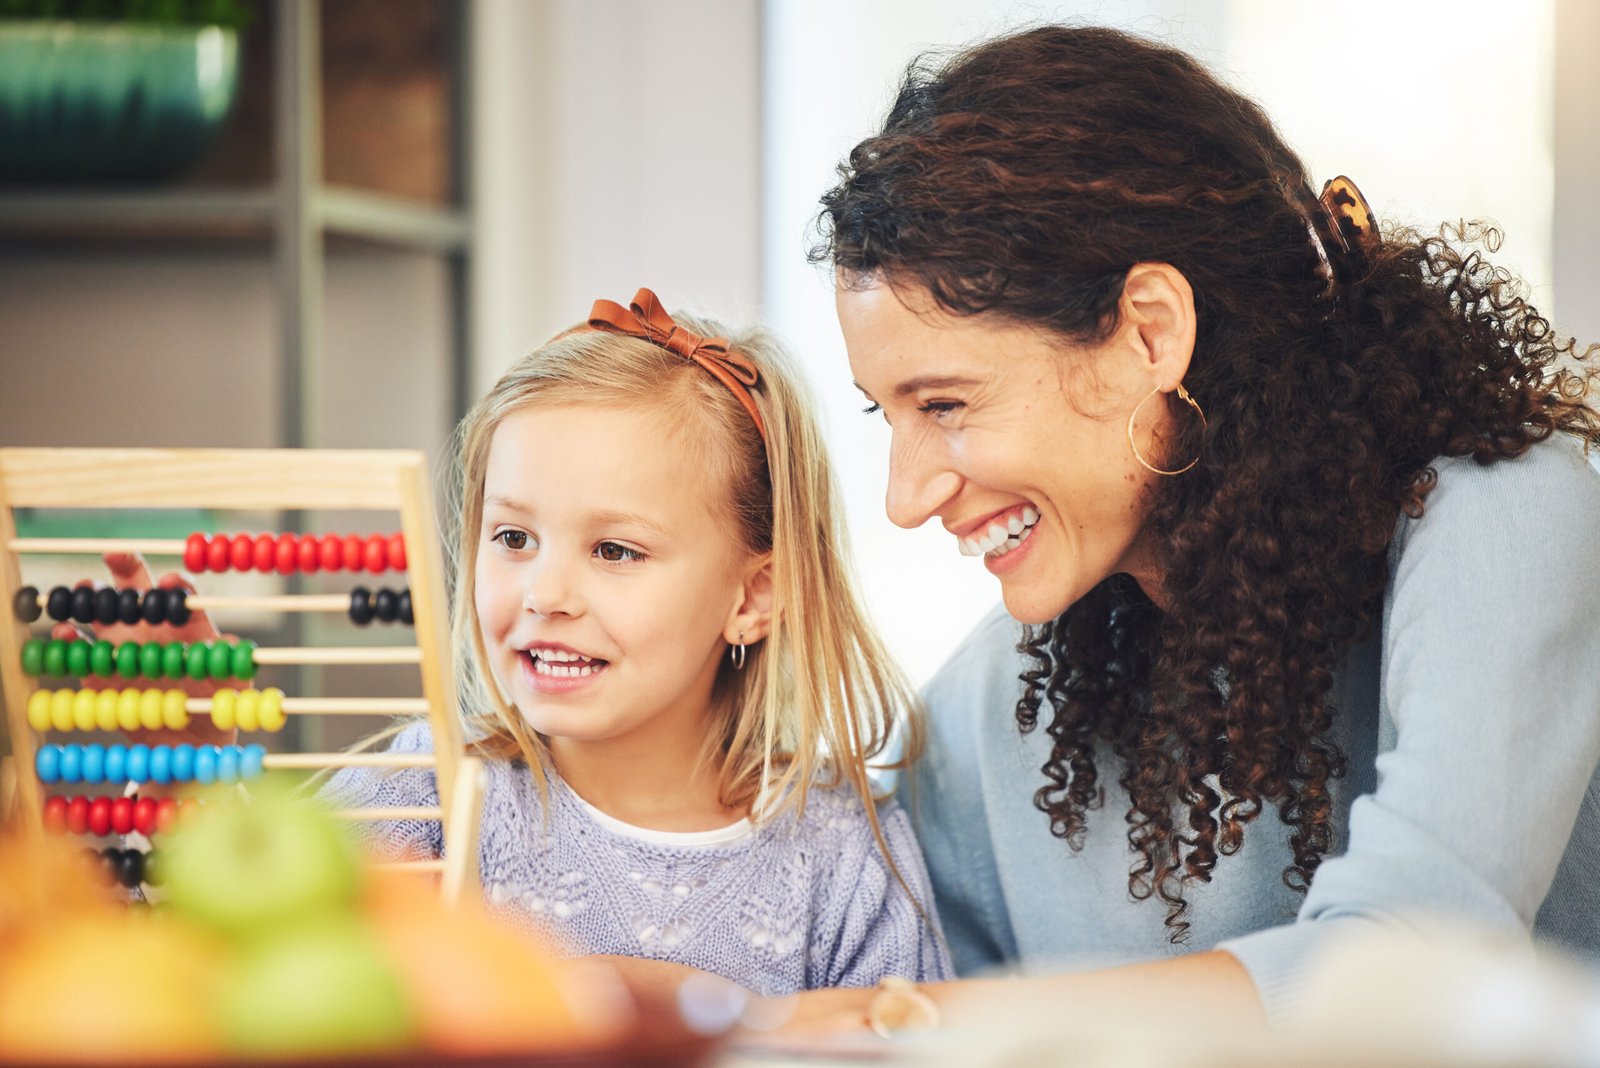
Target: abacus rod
pixel 147 546
pixel 410 866
pixel 396 813
pixel 321 706
pixel 385 654
pixel 319 761
pixel 281 602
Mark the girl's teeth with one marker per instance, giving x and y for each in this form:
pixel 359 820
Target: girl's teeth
pixel 562 671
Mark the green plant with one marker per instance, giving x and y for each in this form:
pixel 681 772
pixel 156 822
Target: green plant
pixel 234 14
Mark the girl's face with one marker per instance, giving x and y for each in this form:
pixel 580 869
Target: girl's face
pixel 1019 450
pixel 608 578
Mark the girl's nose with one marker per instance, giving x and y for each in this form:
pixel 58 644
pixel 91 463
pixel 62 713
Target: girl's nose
pixel 921 481
pixel 551 589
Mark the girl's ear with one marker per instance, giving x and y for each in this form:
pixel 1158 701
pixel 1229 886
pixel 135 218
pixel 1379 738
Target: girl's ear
pixel 752 614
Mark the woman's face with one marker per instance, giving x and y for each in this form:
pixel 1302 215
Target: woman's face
pixel 1016 442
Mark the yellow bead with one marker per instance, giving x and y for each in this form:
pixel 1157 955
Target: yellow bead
pixel 83 704
pixel 150 709
pixel 175 710
pixel 105 709
pixel 222 706
pixel 39 710
pixel 61 709
pixel 248 710
pixel 272 717
pixel 128 709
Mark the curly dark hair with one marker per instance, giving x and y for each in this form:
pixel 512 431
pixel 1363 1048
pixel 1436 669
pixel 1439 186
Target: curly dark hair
pixel 1023 179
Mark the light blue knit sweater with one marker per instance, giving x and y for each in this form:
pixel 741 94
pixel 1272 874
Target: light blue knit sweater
pixel 790 904
pixel 1472 728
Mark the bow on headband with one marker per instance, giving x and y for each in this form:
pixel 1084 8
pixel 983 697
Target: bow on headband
pixel 646 318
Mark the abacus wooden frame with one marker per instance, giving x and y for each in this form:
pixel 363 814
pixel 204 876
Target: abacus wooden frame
pixel 260 480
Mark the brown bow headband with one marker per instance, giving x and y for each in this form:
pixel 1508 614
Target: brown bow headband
pixel 646 318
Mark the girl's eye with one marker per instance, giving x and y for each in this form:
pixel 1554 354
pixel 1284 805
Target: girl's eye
pixel 512 539
pixel 872 409
pixel 613 553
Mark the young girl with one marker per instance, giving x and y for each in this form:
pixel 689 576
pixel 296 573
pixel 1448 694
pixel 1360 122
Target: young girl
pixel 657 634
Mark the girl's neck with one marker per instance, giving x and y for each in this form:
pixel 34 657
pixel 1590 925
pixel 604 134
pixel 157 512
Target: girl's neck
pixel 654 783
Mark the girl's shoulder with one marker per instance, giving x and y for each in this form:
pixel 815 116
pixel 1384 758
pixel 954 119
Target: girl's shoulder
pixel 835 815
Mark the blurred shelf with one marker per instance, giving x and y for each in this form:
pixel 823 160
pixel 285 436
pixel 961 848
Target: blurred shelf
pixel 92 215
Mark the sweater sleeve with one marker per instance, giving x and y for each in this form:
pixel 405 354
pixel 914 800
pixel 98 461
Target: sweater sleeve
pixel 1490 727
pixel 881 931
pixel 388 788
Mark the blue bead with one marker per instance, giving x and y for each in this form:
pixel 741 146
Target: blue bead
pixel 161 763
pixel 116 768
pixel 183 763
pixel 205 764
pixel 138 763
pixel 71 764
pixel 250 760
pixel 47 762
pixel 93 763
pixel 228 764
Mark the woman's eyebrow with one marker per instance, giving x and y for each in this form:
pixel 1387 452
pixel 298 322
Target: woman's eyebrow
pixel 916 385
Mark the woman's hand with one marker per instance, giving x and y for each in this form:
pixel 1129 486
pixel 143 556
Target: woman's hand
pixel 128 572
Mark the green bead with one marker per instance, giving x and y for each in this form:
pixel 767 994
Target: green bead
pixel 221 657
pixel 33 657
pixel 244 660
pixel 103 659
pixel 172 658
pixel 128 660
pixel 55 657
pixel 150 659
pixel 78 659
pixel 198 664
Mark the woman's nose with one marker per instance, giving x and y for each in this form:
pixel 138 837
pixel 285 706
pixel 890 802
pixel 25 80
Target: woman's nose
pixel 921 481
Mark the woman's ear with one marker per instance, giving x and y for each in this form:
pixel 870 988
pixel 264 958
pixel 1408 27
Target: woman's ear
pixel 752 614
pixel 1157 308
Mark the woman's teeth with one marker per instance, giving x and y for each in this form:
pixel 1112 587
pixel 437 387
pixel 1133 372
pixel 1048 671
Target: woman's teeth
pixel 1001 538
pixel 562 665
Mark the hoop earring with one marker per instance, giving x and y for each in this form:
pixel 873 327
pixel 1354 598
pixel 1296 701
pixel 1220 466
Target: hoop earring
pixel 1183 395
pixel 736 654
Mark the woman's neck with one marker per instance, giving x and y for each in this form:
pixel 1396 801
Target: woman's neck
pixel 661 784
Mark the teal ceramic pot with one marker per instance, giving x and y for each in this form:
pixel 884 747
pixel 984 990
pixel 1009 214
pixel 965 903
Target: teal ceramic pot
pixel 109 100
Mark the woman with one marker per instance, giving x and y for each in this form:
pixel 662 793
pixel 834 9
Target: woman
pixel 1298 517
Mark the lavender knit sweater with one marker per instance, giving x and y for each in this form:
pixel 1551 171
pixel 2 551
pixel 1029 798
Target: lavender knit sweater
pixel 790 904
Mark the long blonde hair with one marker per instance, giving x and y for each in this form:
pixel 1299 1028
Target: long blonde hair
pixel 819 699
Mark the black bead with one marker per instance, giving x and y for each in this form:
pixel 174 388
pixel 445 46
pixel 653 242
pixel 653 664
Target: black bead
pixel 26 604
pixel 405 607
pixel 110 863
pixel 59 604
pixel 128 607
pixel 386 605
pixel 105 606
pixel 155 606
pixel 177 606
pixel 361 606
pixel 83 604
pixel 130 868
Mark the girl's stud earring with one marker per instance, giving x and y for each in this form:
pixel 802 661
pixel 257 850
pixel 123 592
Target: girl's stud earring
pixel 736 654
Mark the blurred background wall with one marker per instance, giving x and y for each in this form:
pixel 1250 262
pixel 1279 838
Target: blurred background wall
pixel 587 147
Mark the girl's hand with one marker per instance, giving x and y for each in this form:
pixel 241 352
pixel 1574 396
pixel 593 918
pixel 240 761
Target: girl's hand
pixel 128 572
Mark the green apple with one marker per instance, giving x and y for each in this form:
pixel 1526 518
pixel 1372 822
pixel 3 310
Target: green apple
pixel 247 868
pixel 324 987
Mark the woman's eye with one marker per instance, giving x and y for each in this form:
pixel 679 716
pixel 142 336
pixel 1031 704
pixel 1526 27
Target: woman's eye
pixel 512 539
pixel 937 408
pixel 613 553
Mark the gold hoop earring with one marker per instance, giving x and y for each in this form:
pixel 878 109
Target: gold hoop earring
pixel 1183 395
pixel 736 654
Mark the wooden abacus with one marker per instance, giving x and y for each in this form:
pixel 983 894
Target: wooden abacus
pixel 254 480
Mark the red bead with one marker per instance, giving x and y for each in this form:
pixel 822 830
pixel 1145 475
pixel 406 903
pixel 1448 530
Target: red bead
pixel 144 816
pixel 355 553
pixel 188 808
pixel 266 554
pixel 288 554
pixel 100 816
pixel 78 815
pixel 55 814
pixel 166 814
pixel 310 554
pixel 332 552
pixel 122 815
pixel 397 552
pixel 241 552
pixel 194 553
pixel 377 555
pixel 218 552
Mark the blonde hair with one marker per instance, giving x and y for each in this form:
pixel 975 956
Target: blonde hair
pixel 819 698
